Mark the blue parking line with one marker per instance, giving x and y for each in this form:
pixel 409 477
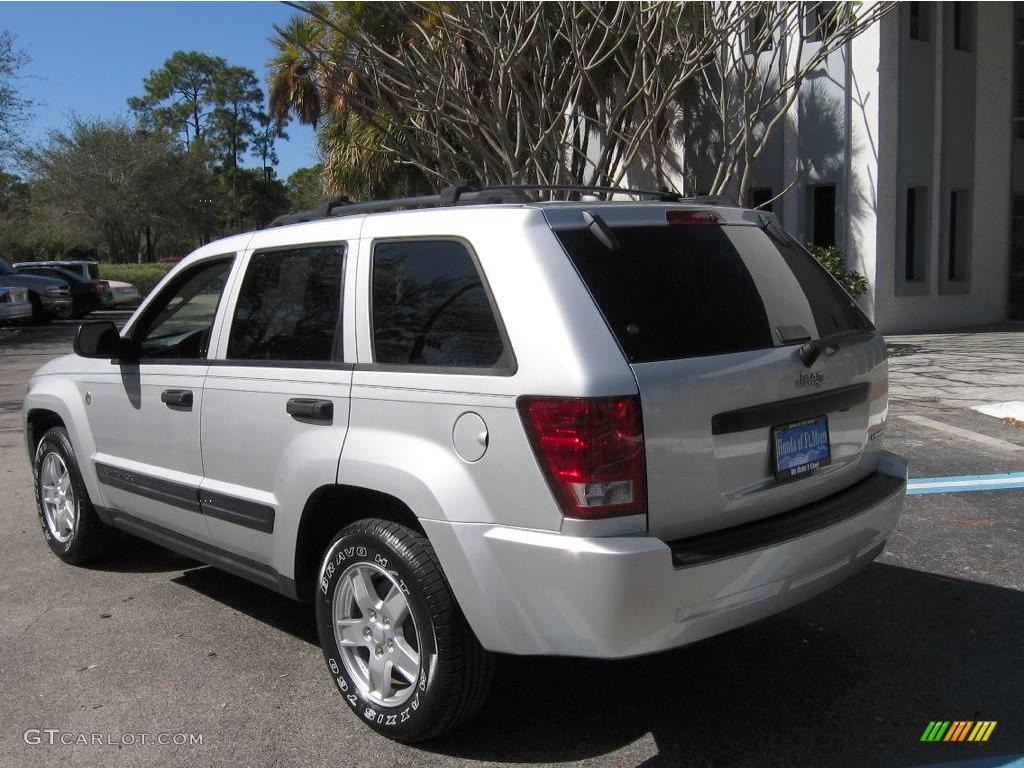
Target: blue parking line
pixel 1000 481
pixel 1002 761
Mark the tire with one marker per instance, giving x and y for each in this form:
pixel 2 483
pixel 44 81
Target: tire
pixel 452 673
pixel 70 524
pixel 38 311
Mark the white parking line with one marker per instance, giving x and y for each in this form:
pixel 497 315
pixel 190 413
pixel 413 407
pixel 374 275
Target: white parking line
pixel 966 434
pixel 1011 410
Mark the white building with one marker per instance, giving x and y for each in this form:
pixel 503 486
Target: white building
pixel 909 159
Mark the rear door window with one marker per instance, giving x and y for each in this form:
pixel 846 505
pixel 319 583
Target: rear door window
pixel 431 308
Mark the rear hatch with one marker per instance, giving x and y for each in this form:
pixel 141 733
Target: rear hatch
pixel 747 354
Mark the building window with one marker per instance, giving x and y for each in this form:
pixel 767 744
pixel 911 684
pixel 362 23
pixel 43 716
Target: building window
pixel 761 197
pixel 915 235
pixel 1017 260
pixel 958 259
pixel 821 20
pixel 823 214
pixel 759 37
pixel 1019 85
pixel 962 26
pixel 920 21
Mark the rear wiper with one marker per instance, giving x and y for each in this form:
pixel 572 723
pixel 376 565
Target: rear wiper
pixel 812 350
pixel 599 228
pixel 768 224
pixel 790 334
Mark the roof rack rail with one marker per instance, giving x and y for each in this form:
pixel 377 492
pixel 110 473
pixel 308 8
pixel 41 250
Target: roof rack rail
pixel 463 194
pixel 722 200
pixel 322 211
pixel 663 196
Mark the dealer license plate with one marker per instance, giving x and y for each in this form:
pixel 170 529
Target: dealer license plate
pixel 800 448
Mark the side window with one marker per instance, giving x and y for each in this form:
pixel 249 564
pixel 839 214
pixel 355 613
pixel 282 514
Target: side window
pixel 431 308
pixel 289 306
pixel 178 325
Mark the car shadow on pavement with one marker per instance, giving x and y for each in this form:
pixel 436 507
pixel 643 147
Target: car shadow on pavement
pixel 850 678
pixel 134 555
pixel 295 618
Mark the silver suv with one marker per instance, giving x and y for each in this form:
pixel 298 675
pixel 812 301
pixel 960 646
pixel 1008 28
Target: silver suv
pixel 483 424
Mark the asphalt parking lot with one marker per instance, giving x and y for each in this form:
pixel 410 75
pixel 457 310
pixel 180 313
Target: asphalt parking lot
pixel 152 643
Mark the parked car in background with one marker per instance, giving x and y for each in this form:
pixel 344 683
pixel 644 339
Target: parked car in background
pixel 14 303
pixel 49 296
pixel 86 269
pixel 87 294
pixel 123 294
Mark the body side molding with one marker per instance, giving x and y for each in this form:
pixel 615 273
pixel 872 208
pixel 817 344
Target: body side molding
pixel 249 514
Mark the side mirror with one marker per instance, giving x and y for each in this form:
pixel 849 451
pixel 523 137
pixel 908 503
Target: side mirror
pixel 98 339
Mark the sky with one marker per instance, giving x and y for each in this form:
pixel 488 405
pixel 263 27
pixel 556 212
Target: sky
pixel 88 58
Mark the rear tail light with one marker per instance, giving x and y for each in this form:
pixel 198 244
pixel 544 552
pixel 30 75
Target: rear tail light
pixel 591 451
pixel 97 288
pixel 6 298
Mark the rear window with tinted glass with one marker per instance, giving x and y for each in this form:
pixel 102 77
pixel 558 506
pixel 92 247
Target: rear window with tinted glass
pixel 833 309
pixel 672 292
pixel 680 291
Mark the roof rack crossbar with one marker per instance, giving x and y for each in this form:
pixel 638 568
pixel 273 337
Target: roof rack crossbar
pixel 462 194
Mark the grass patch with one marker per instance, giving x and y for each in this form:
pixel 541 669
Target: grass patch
pixel 142 276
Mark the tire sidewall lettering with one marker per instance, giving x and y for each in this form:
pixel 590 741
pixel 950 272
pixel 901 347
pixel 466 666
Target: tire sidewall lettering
pixel 52 444
pixel 343 554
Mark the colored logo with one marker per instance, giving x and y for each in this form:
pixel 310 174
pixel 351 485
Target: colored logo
pixel 958 730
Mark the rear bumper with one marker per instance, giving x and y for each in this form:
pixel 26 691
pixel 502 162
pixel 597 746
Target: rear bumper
pixel 120 299
pixel 534 592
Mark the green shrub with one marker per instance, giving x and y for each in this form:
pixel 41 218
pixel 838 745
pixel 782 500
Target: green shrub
pixel 142 276
pixel 834 260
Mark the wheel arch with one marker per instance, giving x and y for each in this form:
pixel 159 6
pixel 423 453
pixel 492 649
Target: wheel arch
pixel 54 401
pixel 38 421
pixel 329 509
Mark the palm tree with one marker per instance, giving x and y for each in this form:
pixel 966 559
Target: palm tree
pixel 296 76
pixel 304 83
